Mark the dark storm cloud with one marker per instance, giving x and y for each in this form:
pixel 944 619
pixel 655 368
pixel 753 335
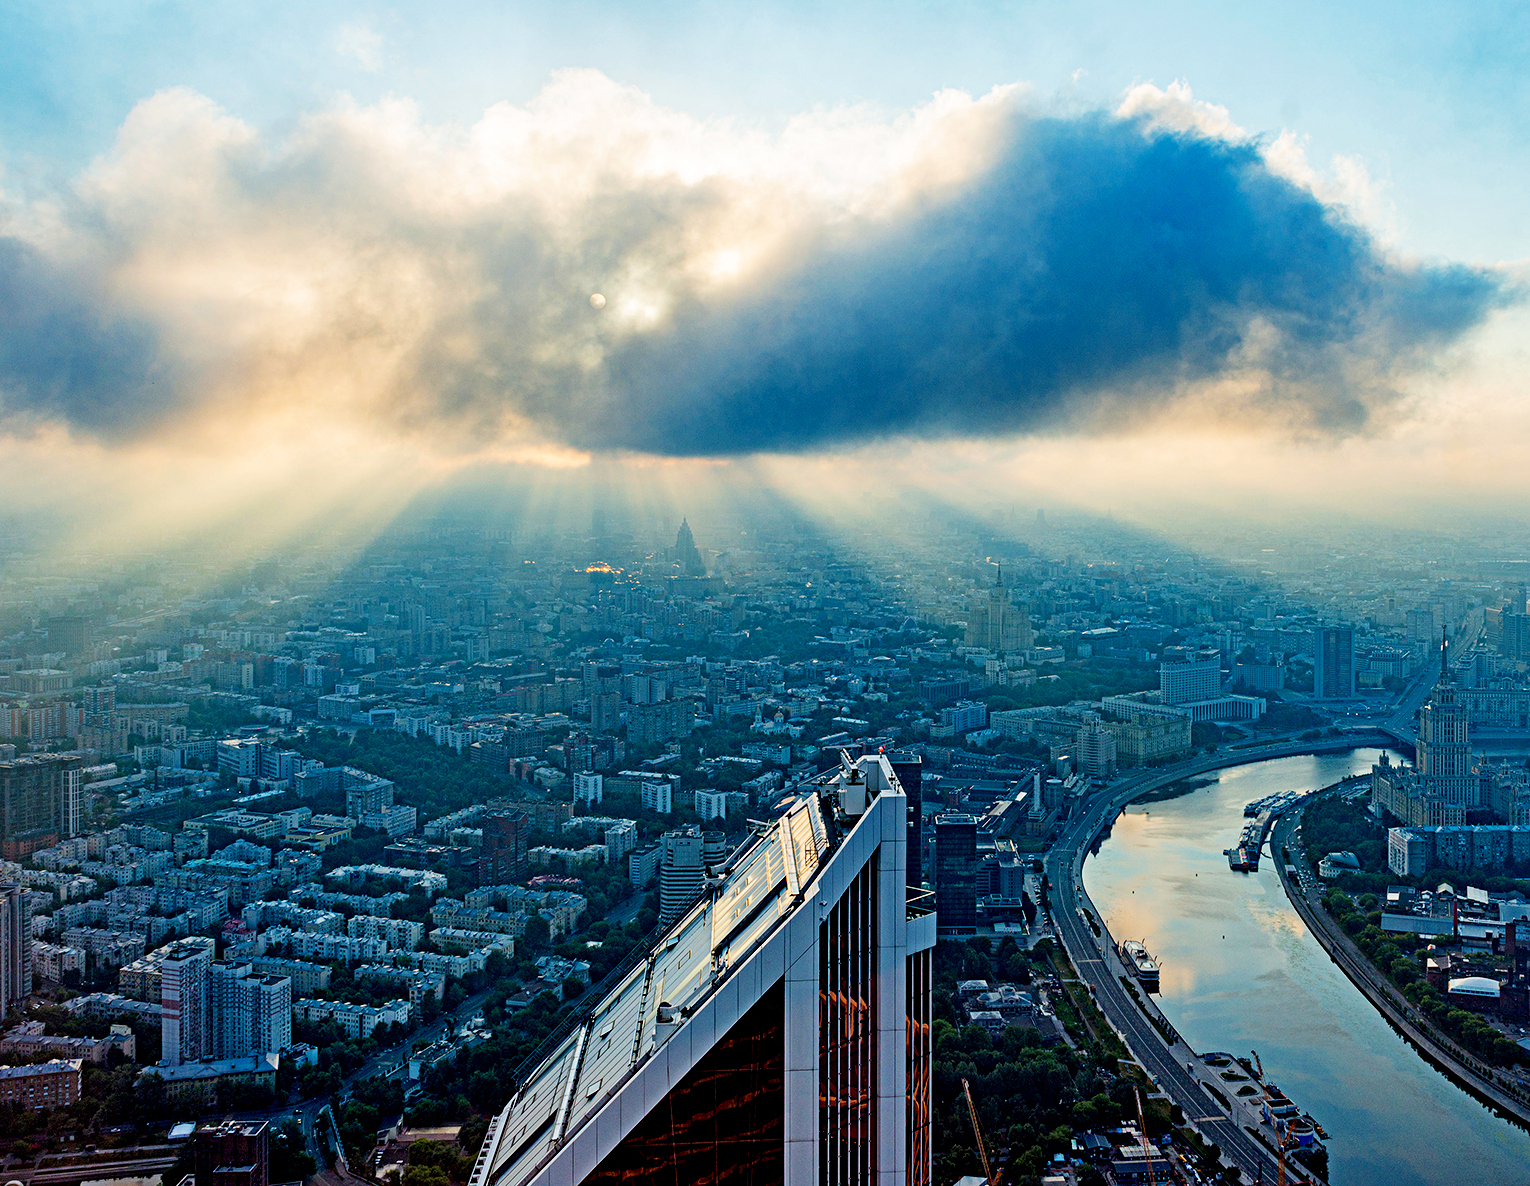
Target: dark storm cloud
pixel 1087 278
pixel 65 356
pixel 1091 260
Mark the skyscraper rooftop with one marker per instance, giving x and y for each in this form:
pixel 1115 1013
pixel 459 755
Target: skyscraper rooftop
pixel 801 939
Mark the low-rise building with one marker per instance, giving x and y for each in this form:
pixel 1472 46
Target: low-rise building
pixel 305 977
pixel 454 939
pixel 52 961
pixel 355 1021
pixel 112 1005
pixel 107 948
pixel 51 1084
pixel 196 1084
pixel 29 1040
pixel 398 933
pixel 418 983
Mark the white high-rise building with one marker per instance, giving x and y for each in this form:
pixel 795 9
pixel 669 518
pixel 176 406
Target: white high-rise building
pixel 781 1030
pixel 1095 747
pixel 71 781
pixel 659 795
pixel 185 1023
pixel 230 1021
pixel 1191 680
pixel 251 1014
pixel 589 788
pixel 712 804
pixel 680 871
pixel 271 1014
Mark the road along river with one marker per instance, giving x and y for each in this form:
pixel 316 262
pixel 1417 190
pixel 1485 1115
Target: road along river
pixel 1240 972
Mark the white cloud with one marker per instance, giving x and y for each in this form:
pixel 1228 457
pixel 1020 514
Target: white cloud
pixel 431 283
pixel 361 43
pixel 1176 109
pixel 369 264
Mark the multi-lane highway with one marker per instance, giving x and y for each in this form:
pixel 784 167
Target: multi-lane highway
pixel 1171 1066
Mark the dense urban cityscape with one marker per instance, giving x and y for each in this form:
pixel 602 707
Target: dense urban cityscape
pixel 771 594
pixel 338 850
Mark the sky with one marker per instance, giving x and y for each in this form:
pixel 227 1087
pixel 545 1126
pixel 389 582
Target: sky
pixel 1172 257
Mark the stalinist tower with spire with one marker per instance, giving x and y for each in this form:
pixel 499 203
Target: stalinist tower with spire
pixel 1440 788
pixel 686 555
pixel 1444 748
pixel 998 625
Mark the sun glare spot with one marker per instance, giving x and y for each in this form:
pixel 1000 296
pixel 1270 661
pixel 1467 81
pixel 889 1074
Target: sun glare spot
pixel 725 264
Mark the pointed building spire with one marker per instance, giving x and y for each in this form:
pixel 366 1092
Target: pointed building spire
pixel 1444 669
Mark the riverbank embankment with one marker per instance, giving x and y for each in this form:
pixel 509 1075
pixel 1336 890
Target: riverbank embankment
pixel 1485 1083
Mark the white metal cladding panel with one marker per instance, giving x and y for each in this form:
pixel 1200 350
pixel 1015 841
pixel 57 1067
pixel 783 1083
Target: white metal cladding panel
pixel 532 1109
pixel 613 1036
pixel 749 885
pixel 921 932
pixel 891 1007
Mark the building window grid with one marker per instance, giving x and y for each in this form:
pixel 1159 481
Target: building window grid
pixel 919 1067
pixel 847 1043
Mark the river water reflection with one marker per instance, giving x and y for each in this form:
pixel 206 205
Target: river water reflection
pixel 1240 973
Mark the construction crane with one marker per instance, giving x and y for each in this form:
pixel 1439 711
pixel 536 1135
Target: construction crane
pixel 977 1130
pixel 1282 1140
pixel 1147 1145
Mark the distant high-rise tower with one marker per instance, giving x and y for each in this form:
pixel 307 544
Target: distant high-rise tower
pixel 15 948
pixel 605 711
pixel 67 634
pixel 1444 743
pixel 686 555
pixel 505 849
pixel 39 802
pixel 1333 671
pixel 956 873
pixel 185 1023
pixel 1095 747
pixel 251 1015
pixel 997 624
pixel 681 861
pixel 1191 678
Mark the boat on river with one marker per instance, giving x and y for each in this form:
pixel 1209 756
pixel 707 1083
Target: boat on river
pixel 1243 857
pixel 1140 962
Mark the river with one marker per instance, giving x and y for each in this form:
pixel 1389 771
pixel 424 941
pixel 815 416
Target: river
pixel 1240 972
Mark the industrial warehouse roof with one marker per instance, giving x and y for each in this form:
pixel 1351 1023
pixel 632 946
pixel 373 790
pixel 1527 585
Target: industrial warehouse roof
pixel 763 882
